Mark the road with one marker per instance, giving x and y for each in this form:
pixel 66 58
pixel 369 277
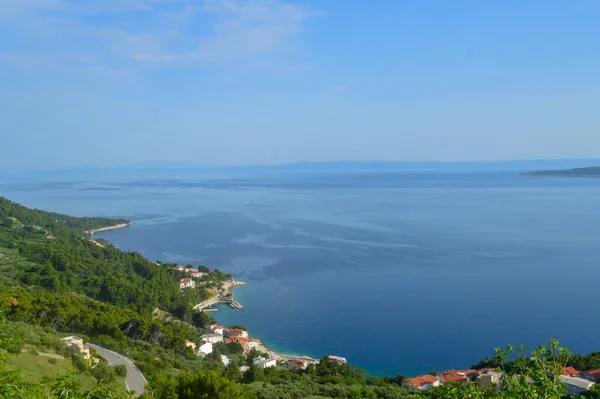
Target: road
pixel 135 381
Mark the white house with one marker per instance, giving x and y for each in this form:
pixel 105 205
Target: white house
pixel 263 363
pixel 194 273
pixel 254 343
pixel 225 360
pixel 212 338
pixel 205 349
pixel 576 385
pixel 186 283
pixel 78 343
pixel 214 329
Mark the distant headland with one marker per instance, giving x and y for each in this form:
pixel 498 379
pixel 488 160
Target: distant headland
pixel 593 171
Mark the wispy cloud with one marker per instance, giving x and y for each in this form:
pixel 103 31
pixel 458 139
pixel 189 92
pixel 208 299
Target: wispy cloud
pixel 155 31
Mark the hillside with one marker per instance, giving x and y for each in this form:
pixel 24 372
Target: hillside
pixel 593 171
pixel 54 281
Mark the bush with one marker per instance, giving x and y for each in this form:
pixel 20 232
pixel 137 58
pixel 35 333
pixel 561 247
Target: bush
pixel 103 373
pixel 79 362
pixel 121 370
pixel 52 360
pixel 15 348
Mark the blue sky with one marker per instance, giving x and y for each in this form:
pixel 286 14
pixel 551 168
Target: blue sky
pixel 110 82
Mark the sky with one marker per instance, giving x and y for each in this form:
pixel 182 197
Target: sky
pixel 235 82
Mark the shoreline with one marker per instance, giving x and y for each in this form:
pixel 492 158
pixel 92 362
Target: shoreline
pixel 117 226
pixel 218 297
pixel 279 356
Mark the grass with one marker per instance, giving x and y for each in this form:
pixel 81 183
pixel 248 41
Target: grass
pixel 35 368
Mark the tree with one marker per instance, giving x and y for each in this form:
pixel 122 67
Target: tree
pixel 232 372
pixel 65 387
pixel 121 370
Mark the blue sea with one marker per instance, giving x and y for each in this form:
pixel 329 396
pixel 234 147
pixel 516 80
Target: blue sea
pixel 399 272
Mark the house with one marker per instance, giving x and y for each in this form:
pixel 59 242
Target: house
pixel 243 369
pixel 576 385
pixel 570 371
pixel 214 329
pixel 186 283
pixel 205 349
pixel 78 343
pixel 225 360
pixel 592 375
pixel 469 372
pixel 190 344
pixel 212 338
pixel 453 376
pixel 180 268
pixel 263 363
pixel 297 365
pixel 423 382
pixel 487 379
pixel 254 343
pixel 338 359
pixel 97 243
pixel 234 332
pixel 194 273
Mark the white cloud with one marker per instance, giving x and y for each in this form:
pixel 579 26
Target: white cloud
pixel 153 31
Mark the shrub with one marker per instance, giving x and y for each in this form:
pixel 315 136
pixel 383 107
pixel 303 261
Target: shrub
pixel 52 360
pixel 121 370
pixel 14 348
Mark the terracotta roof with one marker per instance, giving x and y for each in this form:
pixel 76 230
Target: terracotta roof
pixel 421 380
pixel 298 363
pixel 454 378
pixel 595 374
pixel 187 341
pixel 570 371
pixel 234 331
pixel 468 372
pixel 255 340
pixel 184 281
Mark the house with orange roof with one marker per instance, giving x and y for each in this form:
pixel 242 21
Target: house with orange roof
pixel 592 375
pixel 455 377
pixel 297 365
pixel 423 382
pixel 214 329
pixel 570 371
pixel 234 332
pixel 186 283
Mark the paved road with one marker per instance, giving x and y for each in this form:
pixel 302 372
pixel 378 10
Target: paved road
pixel 135 381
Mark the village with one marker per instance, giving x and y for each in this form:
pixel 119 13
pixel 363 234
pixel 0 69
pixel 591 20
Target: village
pixel 575 381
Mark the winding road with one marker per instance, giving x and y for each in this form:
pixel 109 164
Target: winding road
pixel 135 381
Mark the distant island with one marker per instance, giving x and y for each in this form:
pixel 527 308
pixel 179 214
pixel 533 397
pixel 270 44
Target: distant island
pixel 593 171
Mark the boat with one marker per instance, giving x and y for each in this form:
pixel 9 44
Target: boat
pixel 232 306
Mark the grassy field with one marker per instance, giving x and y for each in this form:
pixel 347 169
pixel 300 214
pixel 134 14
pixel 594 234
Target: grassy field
pixel 35 368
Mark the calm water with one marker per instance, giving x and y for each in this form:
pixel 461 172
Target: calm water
pixel 398 272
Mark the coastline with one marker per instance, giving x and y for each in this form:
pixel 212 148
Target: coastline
pixel 218 297
pixel 117 226
pixel 279 356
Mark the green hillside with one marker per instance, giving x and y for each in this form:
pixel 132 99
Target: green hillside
pixel 55 281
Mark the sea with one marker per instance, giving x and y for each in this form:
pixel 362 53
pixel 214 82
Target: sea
pixel 397 271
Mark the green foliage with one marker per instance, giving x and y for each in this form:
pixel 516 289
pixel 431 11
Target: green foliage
pixel 50 220
pixel 196 386
pixel 121 370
